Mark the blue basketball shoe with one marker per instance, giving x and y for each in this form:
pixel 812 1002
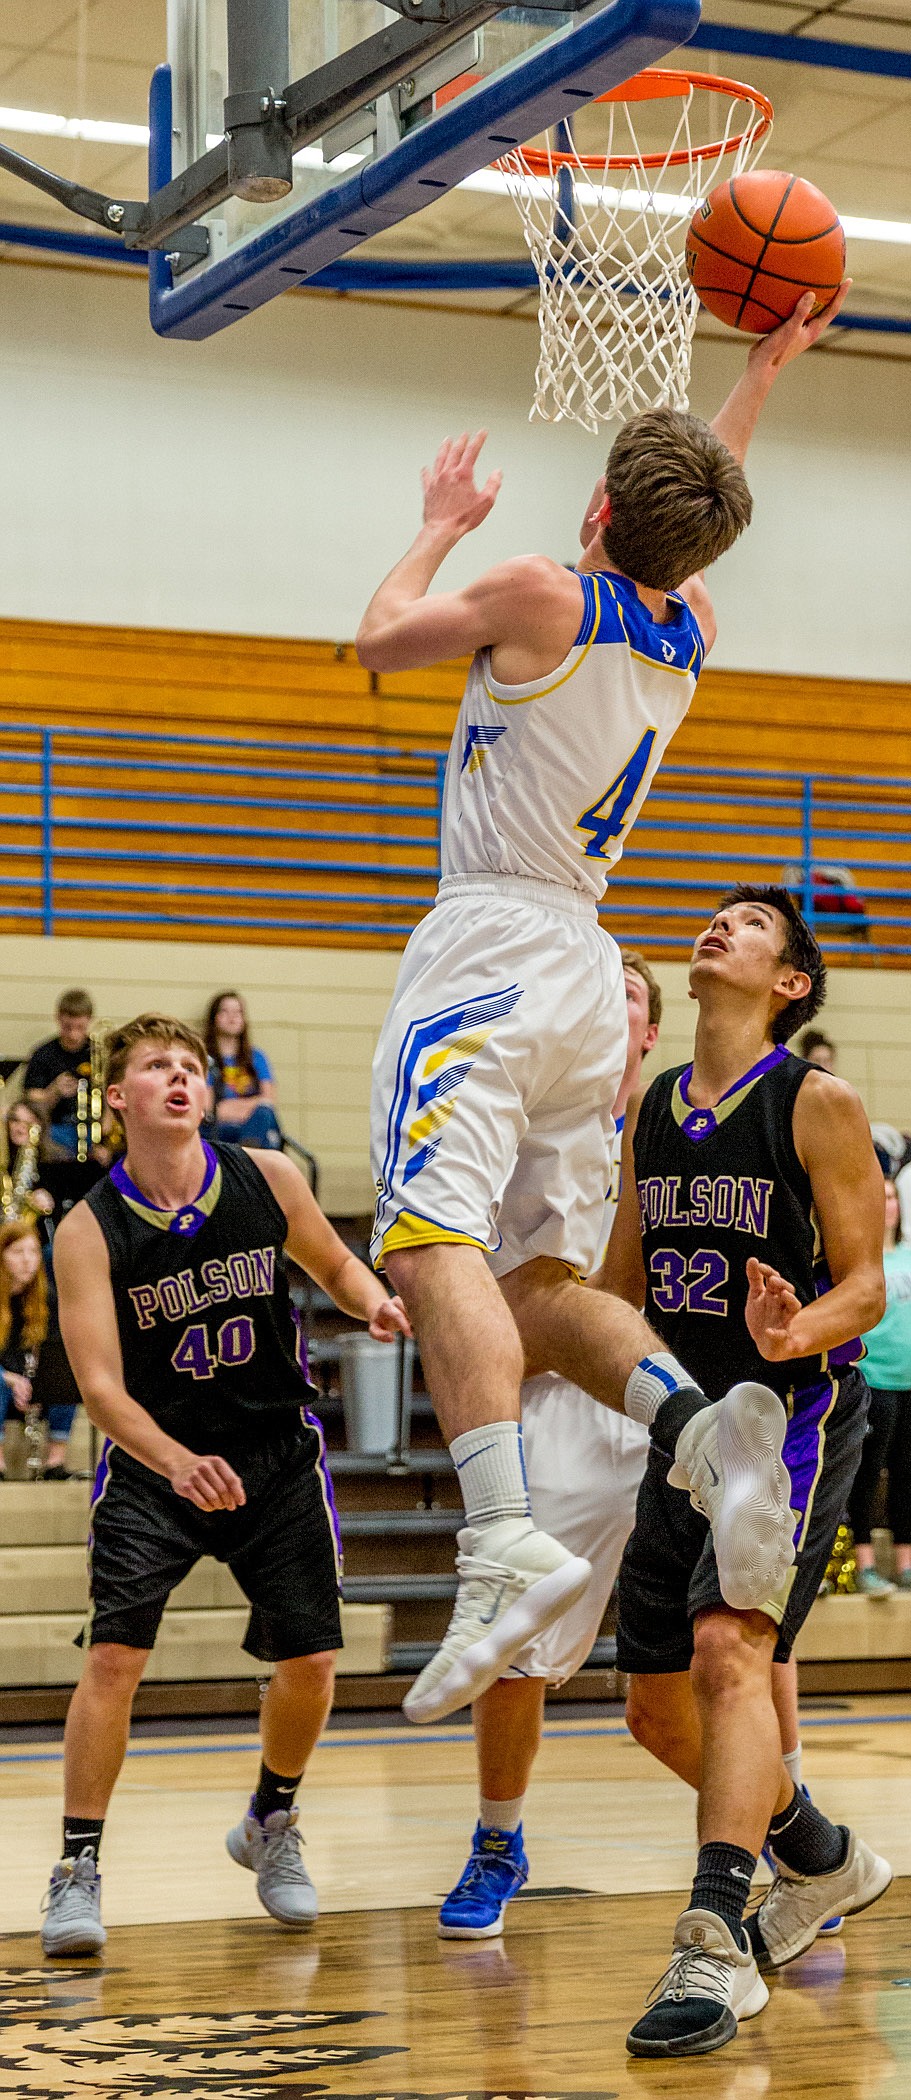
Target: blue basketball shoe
pixel 474 1909
pixel 832 1925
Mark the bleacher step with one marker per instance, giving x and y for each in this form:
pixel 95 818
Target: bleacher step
pixel 33 1515
pixel 37 1648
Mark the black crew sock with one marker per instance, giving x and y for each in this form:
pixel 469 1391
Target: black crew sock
pixel 722 1884
pixel 805 1840
pixel 272 1792
pixel 79 1833
pixel 673 1415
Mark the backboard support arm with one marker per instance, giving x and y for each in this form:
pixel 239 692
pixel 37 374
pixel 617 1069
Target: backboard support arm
pixel 266 125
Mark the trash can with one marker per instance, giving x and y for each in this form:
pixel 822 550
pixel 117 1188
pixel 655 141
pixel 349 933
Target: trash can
pixel 370 1392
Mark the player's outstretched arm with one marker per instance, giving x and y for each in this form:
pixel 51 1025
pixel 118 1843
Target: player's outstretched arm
pixel 404 630
pixel 315 1245
pixel 833 1141
pixel 88 1323
pixel 737 420
pixel 622 1271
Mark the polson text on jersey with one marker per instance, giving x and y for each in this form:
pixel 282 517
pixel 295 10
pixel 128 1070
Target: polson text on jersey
pixel 738 1201
pixel 250 1275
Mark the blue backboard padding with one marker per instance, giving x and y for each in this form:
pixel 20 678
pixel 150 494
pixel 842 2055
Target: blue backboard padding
pixel 597 52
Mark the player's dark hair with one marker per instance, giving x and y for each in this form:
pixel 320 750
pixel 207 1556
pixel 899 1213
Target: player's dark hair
pixel 632 960
pixel 678 498
pixel 801 949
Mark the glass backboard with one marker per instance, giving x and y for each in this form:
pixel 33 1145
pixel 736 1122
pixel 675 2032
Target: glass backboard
pixel 449 117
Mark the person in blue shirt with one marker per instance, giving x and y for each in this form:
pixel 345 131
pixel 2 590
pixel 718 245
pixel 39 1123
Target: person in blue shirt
pixel 887 1369
pixel 242 1088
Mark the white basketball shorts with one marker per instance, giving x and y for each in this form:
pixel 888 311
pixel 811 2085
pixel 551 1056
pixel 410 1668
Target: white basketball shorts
pixel 495 1076
pixel 584 1466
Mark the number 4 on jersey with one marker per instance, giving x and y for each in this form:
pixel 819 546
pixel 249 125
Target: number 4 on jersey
pixel 607 818
pixel 236 1343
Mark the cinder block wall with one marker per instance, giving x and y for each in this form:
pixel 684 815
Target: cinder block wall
pixel 316 1012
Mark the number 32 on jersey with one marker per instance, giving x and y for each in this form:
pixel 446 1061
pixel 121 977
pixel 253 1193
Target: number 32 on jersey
pixel 606 819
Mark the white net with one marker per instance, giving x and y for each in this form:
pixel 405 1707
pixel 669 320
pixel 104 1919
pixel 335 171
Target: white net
pixel 607 236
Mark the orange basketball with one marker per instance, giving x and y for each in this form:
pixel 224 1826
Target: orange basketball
pixel 758 243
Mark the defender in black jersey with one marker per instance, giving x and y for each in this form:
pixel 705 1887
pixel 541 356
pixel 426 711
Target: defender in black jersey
pixel 750 1225
pixel 177 1319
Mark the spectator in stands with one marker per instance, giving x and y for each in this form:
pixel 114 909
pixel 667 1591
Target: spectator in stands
pixel 240 1077
pixel 817 1049
pixel 887 1368
pixel 23 1318
pixel 55 1068
pixel 23 1194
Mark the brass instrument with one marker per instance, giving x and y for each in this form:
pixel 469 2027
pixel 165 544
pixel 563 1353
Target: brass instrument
pixel 33 1423
pixel 90 1095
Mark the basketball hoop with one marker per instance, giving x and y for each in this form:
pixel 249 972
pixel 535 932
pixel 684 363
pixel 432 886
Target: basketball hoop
pixel 607 234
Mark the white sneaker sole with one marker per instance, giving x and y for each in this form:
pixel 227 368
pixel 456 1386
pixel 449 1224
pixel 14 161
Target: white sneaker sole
pixel 754 1530
pixel 89 1940
pixel 478 1666
pixel 471 1932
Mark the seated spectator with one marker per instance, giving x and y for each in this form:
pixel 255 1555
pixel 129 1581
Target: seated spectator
pixel 56 1067
pixel 887 1369
pixel 817 1049
pixel 23 1193
pixel 240 1077
pixel 23 1319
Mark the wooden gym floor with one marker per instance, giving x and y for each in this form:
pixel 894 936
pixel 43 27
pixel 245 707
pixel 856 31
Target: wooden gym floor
pixel 198 1994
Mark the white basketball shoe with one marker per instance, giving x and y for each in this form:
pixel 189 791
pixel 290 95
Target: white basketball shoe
pixel 513 1581
pixel 729 1457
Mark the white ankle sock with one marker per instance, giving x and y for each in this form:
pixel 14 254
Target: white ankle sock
pixel 792 1761
pixel 490 1464
pixel 500 1815
pixel 653 1380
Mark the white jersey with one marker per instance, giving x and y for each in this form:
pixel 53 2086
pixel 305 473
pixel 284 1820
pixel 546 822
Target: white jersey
pixel 545 781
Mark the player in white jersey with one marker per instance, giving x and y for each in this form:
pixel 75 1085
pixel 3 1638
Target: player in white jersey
pixel 584 1466
pixel 499 1061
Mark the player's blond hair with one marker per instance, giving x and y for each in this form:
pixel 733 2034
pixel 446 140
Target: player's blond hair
pixel 149 1028
pixel 678 499
pixel 632 960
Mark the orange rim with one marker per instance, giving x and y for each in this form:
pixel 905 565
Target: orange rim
pixel 658 84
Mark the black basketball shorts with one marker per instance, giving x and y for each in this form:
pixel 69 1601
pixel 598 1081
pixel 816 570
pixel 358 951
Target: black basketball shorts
pixel 283 1548
pixel 669 1573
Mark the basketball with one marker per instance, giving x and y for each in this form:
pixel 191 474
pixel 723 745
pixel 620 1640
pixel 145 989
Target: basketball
pixel 758 243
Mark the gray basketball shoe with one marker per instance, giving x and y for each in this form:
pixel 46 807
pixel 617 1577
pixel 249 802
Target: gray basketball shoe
pixel 72 1905
pixel 271 1851
pixel 798 1905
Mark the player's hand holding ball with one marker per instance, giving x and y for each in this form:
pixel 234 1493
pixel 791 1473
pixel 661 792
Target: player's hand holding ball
pixel 389 1321
pixel 210 1483
pixel 766 254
